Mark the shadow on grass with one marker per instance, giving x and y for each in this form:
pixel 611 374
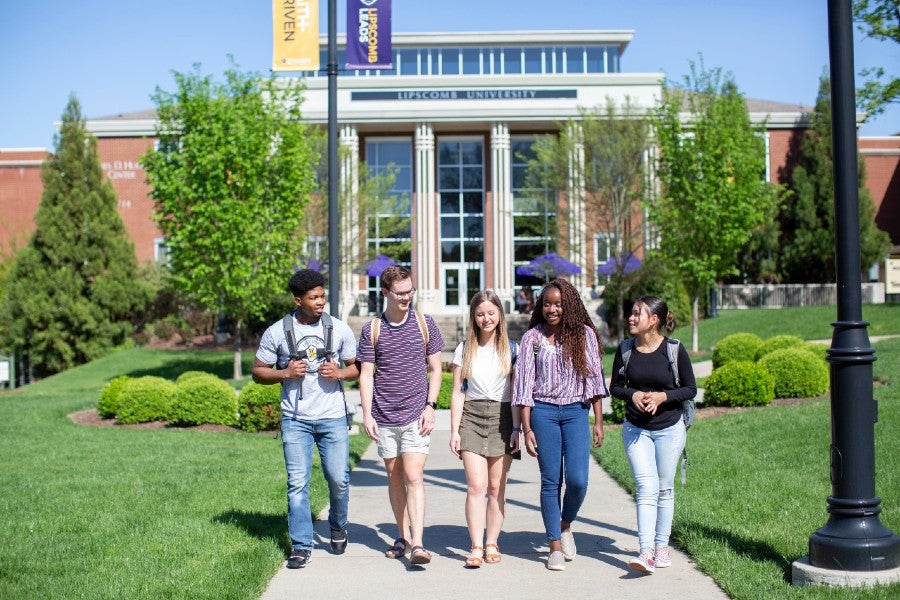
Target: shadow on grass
pixel 266 527
pixel 755 550
pixel 219 364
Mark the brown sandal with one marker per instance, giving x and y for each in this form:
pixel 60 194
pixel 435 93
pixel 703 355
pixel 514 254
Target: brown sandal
pixel 419 556
pixel 398 550
pixel 473 562
pixel 492 557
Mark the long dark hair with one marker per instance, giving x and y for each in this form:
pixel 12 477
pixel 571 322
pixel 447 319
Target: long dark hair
pixel 574 319
pixel 657 306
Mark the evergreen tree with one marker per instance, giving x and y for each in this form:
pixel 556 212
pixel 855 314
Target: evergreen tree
pixel 807 220
pixel 73 287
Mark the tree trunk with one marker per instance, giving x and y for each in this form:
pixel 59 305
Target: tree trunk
pixel 238 374
pixel 620 314
pixel 695 320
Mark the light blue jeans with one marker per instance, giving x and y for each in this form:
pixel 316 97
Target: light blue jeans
pixel 653 456
pixel 563 438
pixel 298 438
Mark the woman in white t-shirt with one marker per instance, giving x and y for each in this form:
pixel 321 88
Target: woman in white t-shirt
pixel 484 428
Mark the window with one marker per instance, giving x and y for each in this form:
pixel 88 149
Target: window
pixel 512 60
pixel 534 210
pixel 161 251
pixel 450 61
pixel 534 60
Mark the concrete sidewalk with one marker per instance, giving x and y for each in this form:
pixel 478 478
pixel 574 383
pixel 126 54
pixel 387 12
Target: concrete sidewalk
pixel 605 533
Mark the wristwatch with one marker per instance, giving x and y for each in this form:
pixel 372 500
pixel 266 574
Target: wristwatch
pixel 432 405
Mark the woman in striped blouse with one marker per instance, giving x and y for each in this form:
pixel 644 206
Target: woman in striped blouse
pixel 559 378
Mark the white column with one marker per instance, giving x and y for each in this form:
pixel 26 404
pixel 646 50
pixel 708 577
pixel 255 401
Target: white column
pixel 349 219
pixel 576 219
pixel 426 242
pixel 501 183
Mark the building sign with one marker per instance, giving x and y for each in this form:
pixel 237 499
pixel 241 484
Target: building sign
pixel 892 276
pixel 295 35
pixel 508 94
pixel 369 34
pixel 121 169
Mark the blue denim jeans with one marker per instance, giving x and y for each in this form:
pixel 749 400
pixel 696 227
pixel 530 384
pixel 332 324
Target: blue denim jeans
pixel 653 456
pixel 563 438
pixel 298 438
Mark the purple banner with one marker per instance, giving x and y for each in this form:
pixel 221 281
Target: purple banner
pixel 369 34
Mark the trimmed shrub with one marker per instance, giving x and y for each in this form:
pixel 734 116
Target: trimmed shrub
pixel 145 399
pixel 820 350
pixel 446 392
pixel 205 399
pixel 734 347
pixel 779 342
pixel 739 383
pixel 798 373
pixel 259 407
pixel 618 411
pixel 187 375
pixel 108 403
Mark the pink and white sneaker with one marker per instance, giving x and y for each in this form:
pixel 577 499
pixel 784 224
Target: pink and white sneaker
pixel 661 558
pixel 643 562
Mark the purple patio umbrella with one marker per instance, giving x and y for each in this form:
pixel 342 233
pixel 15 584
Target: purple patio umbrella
pixel 376 266
pixel 609 267
pixel 548 266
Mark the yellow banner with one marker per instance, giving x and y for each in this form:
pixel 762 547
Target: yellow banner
pixel 295 35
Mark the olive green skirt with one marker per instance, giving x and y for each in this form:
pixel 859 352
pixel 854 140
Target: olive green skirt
pixel 486 428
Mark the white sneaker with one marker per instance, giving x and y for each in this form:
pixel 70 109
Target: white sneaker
pixel 556 561
pixel 567 540
pixel 643 562
pixel 661 558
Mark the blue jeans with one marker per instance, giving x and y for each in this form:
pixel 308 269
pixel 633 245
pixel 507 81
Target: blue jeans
pixel 298 438
pixel 653 456
pixel 563 438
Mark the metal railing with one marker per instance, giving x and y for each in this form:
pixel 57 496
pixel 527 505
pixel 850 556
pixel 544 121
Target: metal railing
pixel 781 295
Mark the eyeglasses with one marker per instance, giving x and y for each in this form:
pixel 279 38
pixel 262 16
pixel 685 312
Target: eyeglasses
pixel 402 295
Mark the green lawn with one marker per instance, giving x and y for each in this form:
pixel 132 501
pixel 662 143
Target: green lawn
pixel 108 512
pixel 759 479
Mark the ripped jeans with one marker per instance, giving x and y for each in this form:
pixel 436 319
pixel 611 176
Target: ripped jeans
pixel 653 456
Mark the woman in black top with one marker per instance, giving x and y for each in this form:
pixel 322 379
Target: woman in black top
pixel 653 433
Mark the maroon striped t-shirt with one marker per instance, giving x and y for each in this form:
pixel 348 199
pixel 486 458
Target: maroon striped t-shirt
pixel 401 378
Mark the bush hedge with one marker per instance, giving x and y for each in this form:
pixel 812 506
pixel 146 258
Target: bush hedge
pixel 187 375
pixel 259 407
pixel 446 392
pixel 203 399
pixel 739 383
pixel 108 403
pixel 145 399
pixel 617 414
pixel 779 342
pixel 735 347
pixel 798 373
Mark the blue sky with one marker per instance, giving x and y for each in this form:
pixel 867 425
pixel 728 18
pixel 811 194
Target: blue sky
pixel 113 54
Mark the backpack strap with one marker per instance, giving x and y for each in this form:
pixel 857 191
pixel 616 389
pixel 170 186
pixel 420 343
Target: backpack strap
pixel 423 328
pixel 293 354
pixel 672 353
pixel 328 326
pixel 627 346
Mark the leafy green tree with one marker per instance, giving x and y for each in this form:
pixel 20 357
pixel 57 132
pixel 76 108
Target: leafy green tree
pixel 879 20
pixel 807 221
pixel 711 167
pixel 601 156
pixel 73 288
pixel 230 180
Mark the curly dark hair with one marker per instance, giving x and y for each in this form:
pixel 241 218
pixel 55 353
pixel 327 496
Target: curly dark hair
pixel 574 319
pixel 304 280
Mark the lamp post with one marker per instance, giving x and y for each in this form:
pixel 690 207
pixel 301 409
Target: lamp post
pixel 853 539
pixel 334 276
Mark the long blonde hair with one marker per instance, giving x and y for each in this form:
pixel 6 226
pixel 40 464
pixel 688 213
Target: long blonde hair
pixel 501 337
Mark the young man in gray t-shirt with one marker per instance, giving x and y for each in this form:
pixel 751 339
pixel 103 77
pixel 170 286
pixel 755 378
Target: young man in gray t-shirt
pixel 312 408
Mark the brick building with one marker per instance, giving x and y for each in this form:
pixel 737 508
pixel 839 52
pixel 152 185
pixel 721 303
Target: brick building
pixel 455 116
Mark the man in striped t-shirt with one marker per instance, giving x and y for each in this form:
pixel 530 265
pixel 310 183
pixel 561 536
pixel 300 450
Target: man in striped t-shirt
pixel 398 402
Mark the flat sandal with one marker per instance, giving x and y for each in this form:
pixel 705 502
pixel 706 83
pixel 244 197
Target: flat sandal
pixel 492 557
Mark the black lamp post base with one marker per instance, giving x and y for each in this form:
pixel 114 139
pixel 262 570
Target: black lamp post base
pixel 854 544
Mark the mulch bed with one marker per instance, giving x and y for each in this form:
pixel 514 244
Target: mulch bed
pixel 90 417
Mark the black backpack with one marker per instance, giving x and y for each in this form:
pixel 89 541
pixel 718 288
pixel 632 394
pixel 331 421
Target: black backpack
pixel 688 409
pixel 328 326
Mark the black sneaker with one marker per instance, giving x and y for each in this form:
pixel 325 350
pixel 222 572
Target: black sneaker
pixel 299 558
pixel 338 540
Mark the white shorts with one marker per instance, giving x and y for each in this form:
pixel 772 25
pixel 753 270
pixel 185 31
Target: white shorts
pixel 394 441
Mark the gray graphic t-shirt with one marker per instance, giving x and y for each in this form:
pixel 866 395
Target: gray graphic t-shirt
pixel 320 398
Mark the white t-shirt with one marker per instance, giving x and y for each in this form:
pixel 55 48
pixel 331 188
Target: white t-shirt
pixel 485 381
